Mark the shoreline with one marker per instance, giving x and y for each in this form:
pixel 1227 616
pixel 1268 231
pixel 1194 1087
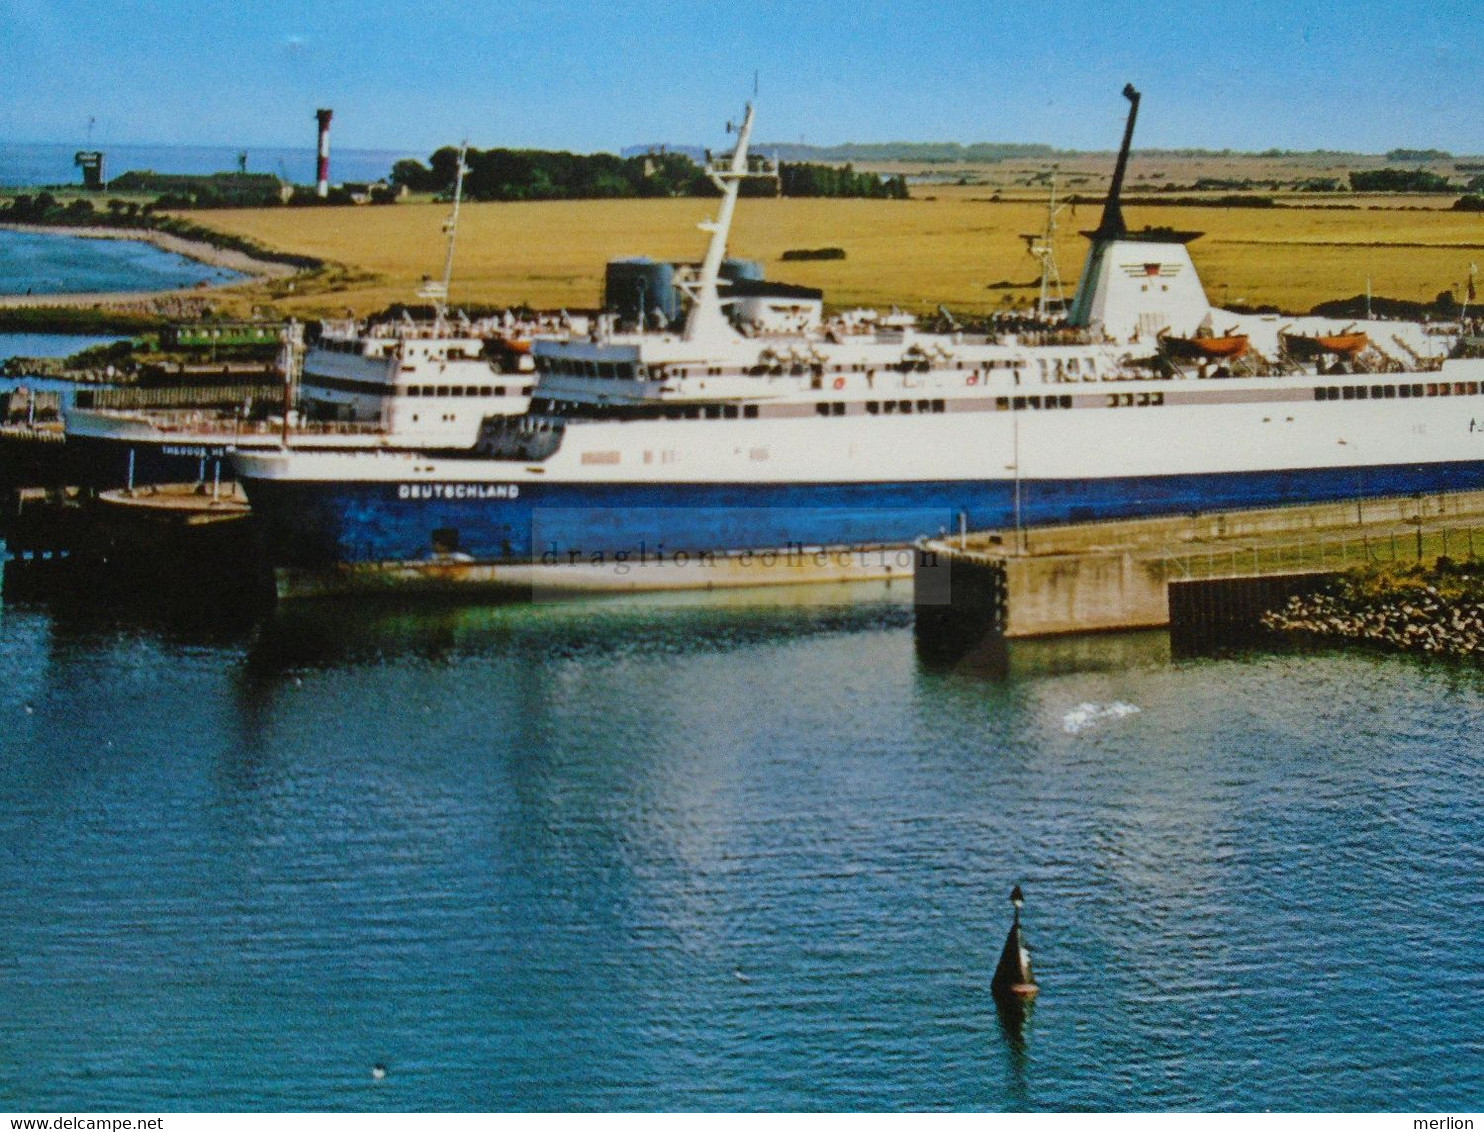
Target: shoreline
pixel 256 270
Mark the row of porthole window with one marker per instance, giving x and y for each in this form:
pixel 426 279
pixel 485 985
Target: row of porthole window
pixel 460 391
pixel 1017 403
pixel 1377 392
pixel 879 408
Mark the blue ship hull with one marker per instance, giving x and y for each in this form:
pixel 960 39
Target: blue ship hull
pixel 322 525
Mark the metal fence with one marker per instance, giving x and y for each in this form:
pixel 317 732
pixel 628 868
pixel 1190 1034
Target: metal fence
pixel 1325 552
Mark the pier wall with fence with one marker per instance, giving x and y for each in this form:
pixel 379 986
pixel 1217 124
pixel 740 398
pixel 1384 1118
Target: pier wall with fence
pixel 1193 573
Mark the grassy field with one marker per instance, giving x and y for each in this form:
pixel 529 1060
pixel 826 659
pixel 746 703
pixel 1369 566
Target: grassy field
pixel 952 250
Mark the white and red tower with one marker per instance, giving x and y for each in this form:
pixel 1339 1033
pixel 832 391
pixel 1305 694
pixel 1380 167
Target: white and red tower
pixel 322 175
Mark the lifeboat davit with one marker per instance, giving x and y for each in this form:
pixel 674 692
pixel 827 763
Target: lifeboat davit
pixel 1312 345
pixel 1228 346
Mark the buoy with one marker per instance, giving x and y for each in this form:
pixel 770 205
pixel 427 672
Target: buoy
pixel 1013 980
pixel 378 1072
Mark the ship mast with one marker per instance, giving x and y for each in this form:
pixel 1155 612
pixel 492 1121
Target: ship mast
pixel 705 317
pixel 1043 248
pixel 438 291
pixel 1113 226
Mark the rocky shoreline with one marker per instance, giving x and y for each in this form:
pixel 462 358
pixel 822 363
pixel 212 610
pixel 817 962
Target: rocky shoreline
pixel 1436 612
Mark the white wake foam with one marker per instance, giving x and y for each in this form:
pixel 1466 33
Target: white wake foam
pixel 1083 716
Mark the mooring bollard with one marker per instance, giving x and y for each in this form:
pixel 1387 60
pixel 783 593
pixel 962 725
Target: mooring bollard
pixel 1013 981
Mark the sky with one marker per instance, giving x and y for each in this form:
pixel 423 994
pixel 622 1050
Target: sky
pixel 590 75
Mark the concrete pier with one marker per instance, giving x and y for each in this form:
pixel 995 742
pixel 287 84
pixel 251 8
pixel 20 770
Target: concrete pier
pixel 1196 574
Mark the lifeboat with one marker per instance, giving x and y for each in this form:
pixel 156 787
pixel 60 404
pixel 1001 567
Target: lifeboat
pixel 511 344
pixel 1312 345
pixel 1228 346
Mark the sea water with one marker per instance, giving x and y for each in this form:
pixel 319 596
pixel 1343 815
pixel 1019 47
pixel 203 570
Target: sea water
pixel 43 263
pixel 745 851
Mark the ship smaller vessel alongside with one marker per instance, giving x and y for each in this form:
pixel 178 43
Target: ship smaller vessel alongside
pixel 401 383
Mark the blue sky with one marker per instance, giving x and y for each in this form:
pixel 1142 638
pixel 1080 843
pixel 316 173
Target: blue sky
pixel 585 75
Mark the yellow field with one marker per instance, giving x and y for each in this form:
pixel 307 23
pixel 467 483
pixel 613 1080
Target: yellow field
pixel 917 254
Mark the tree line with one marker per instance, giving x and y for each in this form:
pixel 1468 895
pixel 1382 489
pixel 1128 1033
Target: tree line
pixel 533 174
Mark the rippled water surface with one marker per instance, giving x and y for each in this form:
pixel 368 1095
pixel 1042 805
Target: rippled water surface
pixel 45 264
pixel 723 854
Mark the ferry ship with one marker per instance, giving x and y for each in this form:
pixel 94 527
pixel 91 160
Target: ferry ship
pixel 401 384
pixel 731 441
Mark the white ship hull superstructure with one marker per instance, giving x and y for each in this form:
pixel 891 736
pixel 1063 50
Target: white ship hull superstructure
pixel 396 387
pixel 713 443
pixel 401 384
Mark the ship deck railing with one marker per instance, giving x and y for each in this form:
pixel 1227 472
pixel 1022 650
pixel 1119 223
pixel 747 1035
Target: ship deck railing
pixel 217 424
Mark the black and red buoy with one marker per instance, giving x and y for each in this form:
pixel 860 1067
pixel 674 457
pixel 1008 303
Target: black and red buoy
pixel 1013 981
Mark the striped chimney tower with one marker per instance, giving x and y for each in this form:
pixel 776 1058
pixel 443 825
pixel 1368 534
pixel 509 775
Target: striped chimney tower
pixel 322 177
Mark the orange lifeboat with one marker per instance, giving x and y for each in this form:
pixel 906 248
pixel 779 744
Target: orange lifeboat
pixel 512 344
pixel 1312 345
pixel 1228 346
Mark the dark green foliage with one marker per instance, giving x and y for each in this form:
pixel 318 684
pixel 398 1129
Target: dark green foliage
pixel 1398 181
pixel 1418 155
pixel 216 190
pixel 533 174
pixel 304 196
pixel 75 320
pixel 813 253
pixel 838 181
pixel 415 175
pixel 1470 203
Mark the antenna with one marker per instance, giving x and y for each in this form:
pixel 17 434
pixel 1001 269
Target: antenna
pixel 438 292
pixel 1042 246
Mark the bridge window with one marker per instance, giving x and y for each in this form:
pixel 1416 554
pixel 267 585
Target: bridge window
pixel 443 391
pixel 729 412
pixel 873 407
pixel 938 406
pixel 749 411
pixel 1001 403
